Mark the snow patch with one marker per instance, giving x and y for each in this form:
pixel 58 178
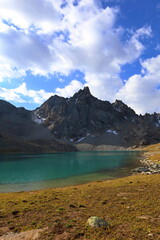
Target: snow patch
pixel 133 120
pixel 38 119
pixel 158 123
pixel 79 140
pixel 112 131
pixel 117 109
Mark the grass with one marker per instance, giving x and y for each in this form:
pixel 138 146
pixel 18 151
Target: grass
pixel 130 205
pixel 153 152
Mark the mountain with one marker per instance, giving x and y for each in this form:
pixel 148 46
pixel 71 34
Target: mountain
pixel 19 133
pixel 86 119
pixel 82 121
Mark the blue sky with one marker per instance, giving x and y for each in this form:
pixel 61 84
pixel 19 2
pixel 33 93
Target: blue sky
pixel 52 47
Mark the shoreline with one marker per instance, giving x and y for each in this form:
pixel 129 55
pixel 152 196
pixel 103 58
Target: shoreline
pixel 149 166
pixel 99 175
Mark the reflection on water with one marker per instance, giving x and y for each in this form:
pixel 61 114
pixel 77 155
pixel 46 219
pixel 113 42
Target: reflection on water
pixel 22 172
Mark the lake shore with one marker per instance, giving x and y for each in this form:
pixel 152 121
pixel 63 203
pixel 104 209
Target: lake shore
pixel 150 161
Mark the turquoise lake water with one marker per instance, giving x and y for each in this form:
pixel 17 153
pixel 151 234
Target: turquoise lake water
pixel 23 172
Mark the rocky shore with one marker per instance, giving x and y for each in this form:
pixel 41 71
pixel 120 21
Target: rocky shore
pixel 149 167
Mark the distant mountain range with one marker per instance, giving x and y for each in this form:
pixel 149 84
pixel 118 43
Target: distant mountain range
pixel 81 122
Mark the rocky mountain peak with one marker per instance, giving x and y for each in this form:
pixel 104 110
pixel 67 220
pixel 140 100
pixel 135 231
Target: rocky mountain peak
pixel 123 108
pixel 82 93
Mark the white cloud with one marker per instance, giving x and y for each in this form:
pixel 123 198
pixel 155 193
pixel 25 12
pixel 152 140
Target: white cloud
pixel 20 93
pixel 25 51
pixel 142 92
pixel 10 95
pixel 95 48
pixel 7 71
pixel 157 48
pixel 41 15
pixel 70 89
pixel 42 37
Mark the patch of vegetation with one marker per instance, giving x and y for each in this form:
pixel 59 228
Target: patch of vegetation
pixel 130 205
pixel 153 152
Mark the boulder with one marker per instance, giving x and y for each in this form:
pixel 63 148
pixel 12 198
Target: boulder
pixel 97 222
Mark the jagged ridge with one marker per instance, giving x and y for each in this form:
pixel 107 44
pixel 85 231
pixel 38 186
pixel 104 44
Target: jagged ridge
pixel 80 119
pixel 86 118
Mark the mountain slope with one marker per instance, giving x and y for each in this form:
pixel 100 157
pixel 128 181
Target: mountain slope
pixel 86 119
pixel 19 133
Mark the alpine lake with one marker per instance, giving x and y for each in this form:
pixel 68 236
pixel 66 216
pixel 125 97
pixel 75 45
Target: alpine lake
pixel 28 172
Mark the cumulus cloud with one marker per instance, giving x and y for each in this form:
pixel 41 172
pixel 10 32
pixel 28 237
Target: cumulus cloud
pixel 142 91
pixel 31 14
pixel 47 37
pixel 70 89
pixel 8 71
pixel 21 92
pixel 95 47
pixel 24 51
pixel 10 95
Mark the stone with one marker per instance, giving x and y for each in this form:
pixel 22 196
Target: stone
pixel 150 234
pixel 143 169
pixel 72 206
pixel 82 206
pixel 97 222
pixel 15 212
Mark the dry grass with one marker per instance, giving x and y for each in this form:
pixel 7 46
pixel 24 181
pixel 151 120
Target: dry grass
pixel 153 152
pixel 153 147
pixel 131 206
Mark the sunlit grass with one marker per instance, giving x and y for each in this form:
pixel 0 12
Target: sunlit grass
pixel 130 205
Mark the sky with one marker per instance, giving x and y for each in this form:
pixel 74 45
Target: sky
pixel 50 47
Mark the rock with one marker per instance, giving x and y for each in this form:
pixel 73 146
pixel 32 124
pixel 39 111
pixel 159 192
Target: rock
pixel 27 235
pixel 105 202
pixel 72 206
pixel 150 234
pixel 97 222
pixel 15 212
pixel 82 206
pixel 141 169
pixel 149 167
